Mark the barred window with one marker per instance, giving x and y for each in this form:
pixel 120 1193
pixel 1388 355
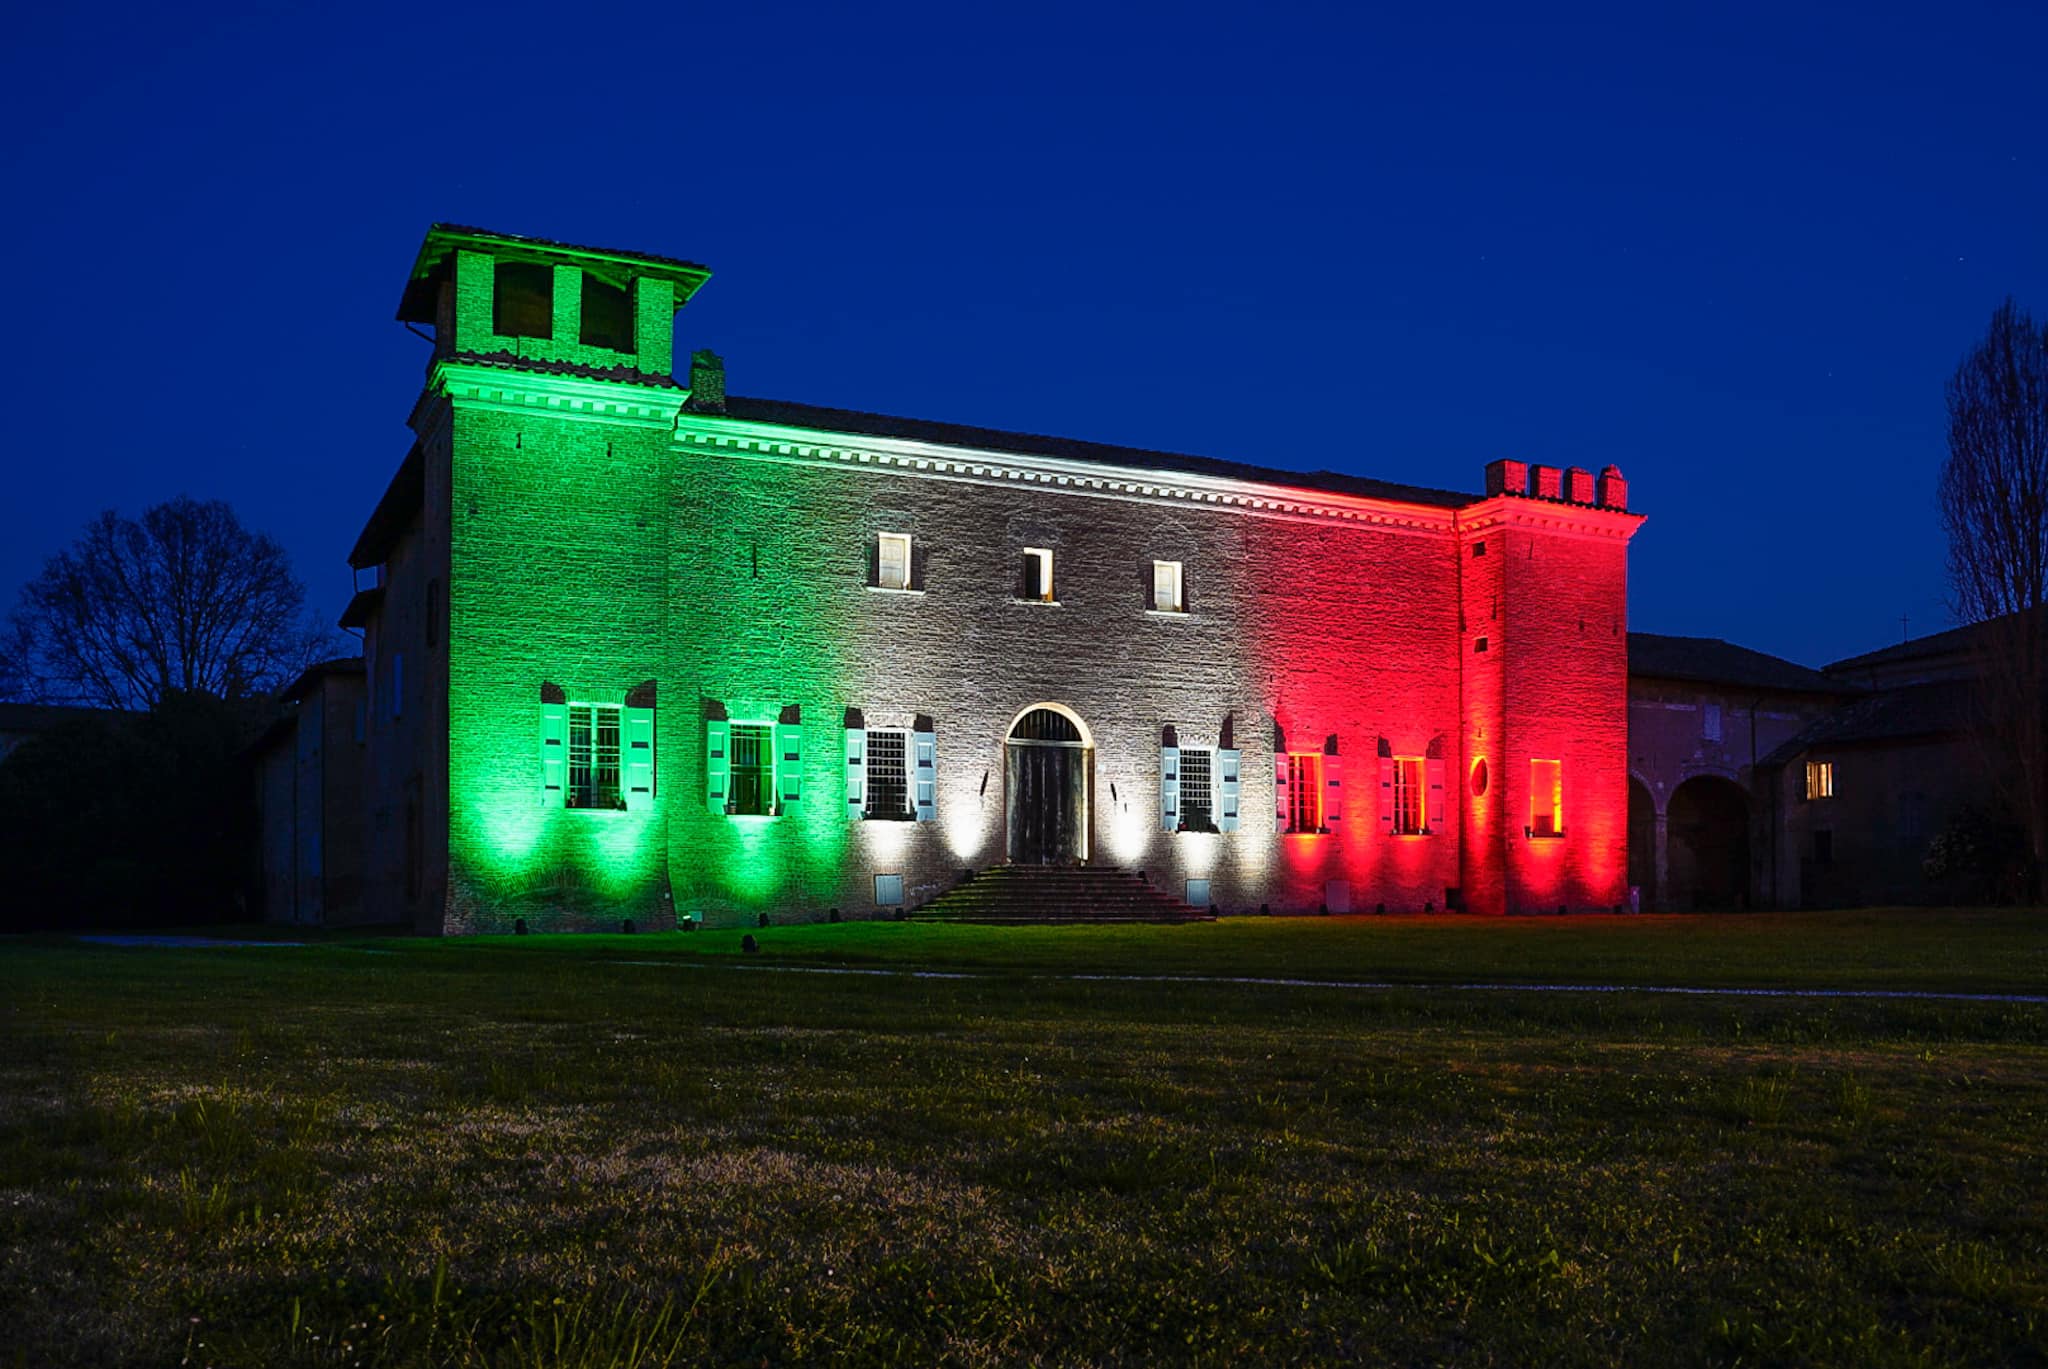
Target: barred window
pixel 594 757
pixel 888 775
pixel 1408 796
pixel 1304 791
pixel 1197 791
pixel 753 770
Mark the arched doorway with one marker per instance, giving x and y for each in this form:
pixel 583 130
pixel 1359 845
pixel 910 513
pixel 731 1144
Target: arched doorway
pixel 1642 841
pixel 1048 764
pixel 1707 825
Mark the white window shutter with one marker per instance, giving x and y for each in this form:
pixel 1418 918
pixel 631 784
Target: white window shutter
pixel 1280 791
pixel 717 764
pixel 856 772
pixel 1333 788
pixel 789 766
pixel 1434 766
pixel 1229 785
pixel 636 765
pixel 554 755
pixel 1386 796
pixel 1169 788
pixel 924 775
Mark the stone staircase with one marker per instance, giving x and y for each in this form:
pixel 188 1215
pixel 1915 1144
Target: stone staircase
pixel 1056 893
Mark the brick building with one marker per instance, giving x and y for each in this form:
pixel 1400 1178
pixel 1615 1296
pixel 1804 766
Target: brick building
pixel 637 649
pixel 308 771
pixel 1703 714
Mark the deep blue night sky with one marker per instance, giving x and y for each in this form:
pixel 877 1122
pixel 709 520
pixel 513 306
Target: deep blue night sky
pixel 1736 251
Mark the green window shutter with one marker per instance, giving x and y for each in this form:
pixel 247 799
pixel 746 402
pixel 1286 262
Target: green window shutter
pixel 1435 770
pixel 1280 791
pixel 1229 786
pixel 1386 796
pixel 789 765
pixel 924 774
pixel 554 755
pixel 636 763
pixel 717 764
pixel 1333 788
pixel 1169 788
pixel 856 772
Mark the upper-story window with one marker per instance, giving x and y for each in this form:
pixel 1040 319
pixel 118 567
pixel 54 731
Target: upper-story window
pixel 607 315
pixel 1820 779
pixel 1168 585
pixel 1038 574
pixel 1710 722
pixel 892 561
pixel 753 770
pixel 523 299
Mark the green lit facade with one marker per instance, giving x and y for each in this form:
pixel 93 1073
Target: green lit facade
pixel 638 650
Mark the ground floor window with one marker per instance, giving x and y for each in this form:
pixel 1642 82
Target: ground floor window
pixel 888 774
pixel 1546 799
pixel 1820 779
pixel 1304 791
pixel 753 770
pixel 1408 796
pixel 1197 791
pixel 594 757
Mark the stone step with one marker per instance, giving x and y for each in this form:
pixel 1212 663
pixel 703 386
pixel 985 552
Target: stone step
pixel 1054 894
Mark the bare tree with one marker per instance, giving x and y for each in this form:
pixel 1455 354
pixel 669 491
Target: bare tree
pixel 1994 508
pixel 183 599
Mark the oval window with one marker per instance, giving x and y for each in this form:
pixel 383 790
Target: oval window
pixel 1478 777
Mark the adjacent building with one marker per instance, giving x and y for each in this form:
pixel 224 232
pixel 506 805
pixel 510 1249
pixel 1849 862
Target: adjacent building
pixel 636 649
pixel 308 770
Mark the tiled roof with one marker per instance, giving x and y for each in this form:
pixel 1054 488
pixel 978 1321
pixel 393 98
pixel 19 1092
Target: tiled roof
pixel 1710 660
pixel 401 500
pixel 1957 640
pixel 788 413
pixel 340 665
pixel 360 606
pixel 1942 708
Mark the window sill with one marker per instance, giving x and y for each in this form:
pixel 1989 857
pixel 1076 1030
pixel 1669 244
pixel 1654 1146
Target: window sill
pixel 905 593
pixel 1533 835
pixel 888 817
pixel 1168 613
pixel 1314 832
pixel 1413 836
pixel 1039 603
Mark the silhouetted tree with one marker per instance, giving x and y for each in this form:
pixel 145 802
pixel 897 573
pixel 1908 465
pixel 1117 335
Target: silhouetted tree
pixel 181 600
pixel 1994 508
pixel 130 819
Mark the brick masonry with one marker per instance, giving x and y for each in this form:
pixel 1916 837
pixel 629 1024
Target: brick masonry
pixel 593 535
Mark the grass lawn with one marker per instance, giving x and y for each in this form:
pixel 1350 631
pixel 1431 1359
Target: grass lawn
pixel 544 1151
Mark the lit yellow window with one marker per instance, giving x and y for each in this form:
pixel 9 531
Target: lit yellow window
pixel 1546 798
pixel 1820 779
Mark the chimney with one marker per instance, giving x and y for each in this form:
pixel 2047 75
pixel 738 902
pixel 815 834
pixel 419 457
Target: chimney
pixel 1549 483
pixel 707 383
pixel 1613 489
pixel 1507 477
pixel 1578 485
